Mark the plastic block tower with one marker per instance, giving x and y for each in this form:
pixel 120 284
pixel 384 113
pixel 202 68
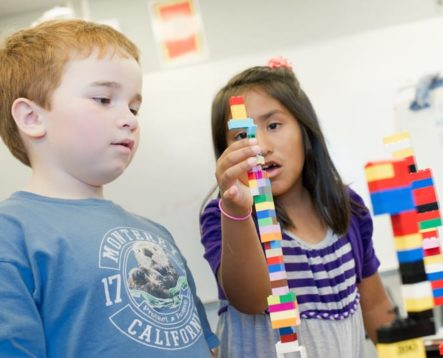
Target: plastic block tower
pixel 282 304
pixel 408 196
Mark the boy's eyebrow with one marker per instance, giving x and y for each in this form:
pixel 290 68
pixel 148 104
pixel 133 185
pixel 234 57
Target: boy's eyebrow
pixel 113 84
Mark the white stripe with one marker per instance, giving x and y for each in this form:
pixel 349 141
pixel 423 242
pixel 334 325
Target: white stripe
pixel 345 249
pixel 321 274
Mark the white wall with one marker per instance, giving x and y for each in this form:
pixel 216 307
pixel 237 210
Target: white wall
pixel 352 81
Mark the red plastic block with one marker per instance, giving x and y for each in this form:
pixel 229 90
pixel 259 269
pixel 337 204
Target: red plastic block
pixel 424 196
pixel 437 284
pixel 288 338
pixel 432 252
pixel 401 177
pixel 405 223
pixel 410 161
pixel 429 234
pixel 428 215
pixel 421 174
pixel 233 100
pixel 274 260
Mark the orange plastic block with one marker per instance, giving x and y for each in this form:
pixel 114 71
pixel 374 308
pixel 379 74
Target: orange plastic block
pixel 272 236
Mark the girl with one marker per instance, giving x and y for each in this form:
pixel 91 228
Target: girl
pixel 327 245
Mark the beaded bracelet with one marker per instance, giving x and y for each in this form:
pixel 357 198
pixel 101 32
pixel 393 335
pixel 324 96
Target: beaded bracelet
pixel 232 217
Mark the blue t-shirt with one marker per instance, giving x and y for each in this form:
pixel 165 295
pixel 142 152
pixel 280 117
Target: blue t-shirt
pixel 85 278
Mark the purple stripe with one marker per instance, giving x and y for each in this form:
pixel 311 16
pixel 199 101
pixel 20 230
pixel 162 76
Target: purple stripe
pixel 332 314
pixel 311 282
pixel 305 266
pixel 333 297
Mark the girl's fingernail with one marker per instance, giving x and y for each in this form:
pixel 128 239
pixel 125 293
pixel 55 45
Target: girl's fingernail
pixel 252 161
pixel 253 141
pixel 256 149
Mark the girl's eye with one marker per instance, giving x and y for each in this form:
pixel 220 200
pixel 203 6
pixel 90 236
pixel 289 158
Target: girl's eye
pixel 133 111
pixel 273 126
pixel 240 136
pixel 102 100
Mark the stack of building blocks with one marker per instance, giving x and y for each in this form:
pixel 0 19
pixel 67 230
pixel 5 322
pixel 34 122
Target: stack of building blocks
pixel 427 211
pixel 282 304
pixel 396 188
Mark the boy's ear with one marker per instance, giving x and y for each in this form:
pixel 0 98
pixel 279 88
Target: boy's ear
pixel 28 117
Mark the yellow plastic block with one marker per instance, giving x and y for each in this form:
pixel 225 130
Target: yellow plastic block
pixel 407 242
pixel 273 300
pixel 253 183
pixel 260 159
pixel 418 304
pixel 379 171
pixel 266 205
pixel 435 259
pixel 277 316
pixel 396 138
pixel 238 111
pixel 403 153
pixel 411 348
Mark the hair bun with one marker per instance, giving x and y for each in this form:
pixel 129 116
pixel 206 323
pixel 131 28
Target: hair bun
pixel 276 62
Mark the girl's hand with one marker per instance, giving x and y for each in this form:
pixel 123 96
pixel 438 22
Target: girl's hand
pixel 231 173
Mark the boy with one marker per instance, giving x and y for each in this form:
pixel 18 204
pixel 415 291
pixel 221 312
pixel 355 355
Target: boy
pixel 79 275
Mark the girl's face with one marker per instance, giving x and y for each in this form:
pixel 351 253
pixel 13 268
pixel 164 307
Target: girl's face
pixel 280 139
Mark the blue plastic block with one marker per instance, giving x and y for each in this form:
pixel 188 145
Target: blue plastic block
pixel 392 201
pixel 265 214
pixel 413 255
pixel 240 123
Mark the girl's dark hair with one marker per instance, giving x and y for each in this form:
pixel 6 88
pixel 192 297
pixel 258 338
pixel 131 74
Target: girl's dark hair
pixel 320 177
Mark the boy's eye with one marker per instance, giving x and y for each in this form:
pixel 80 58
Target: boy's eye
pixel 102 100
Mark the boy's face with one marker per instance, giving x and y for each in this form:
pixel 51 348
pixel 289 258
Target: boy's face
pixel 92 128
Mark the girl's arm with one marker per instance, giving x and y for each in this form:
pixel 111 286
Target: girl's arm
pixel 243 272
pixel 376 306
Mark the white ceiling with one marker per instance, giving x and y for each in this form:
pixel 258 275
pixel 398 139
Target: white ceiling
pixel 11 7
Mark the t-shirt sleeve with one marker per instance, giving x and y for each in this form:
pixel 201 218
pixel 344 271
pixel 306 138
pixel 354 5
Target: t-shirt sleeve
pixel 21 330
pixel 363 220
pixel 210 228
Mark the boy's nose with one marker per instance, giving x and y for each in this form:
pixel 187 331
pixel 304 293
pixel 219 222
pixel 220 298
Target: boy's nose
pixel 128 120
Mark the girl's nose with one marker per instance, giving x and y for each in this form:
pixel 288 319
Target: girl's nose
pixel 264 142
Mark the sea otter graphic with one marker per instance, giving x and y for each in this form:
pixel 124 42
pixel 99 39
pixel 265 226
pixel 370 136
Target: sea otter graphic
pixel 155 274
